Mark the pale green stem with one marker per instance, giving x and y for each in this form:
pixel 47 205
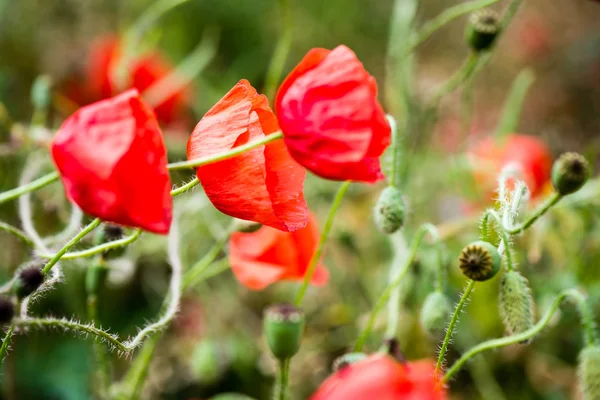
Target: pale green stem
pixel 283 380
pixel 236 151
pixel 514 104
pixel 16 232
pixel 184 188
pixel 459 77
pixel 282 49
pixel 195 272
pixel 103 371
pixel 397 148
pixel 549 203
pixel 30 187
pixel 312 265
pixel 453 321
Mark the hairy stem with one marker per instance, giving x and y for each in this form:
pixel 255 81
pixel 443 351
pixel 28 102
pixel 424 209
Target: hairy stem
pixel 30 187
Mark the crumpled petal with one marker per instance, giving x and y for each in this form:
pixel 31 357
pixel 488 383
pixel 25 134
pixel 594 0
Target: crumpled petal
pixel 113 163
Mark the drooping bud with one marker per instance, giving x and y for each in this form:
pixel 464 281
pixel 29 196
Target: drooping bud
pixel 480 261
pixel 347 359
pixel 589 372
pixel 95 278
pixel 482 29
pixel 283 325
pixel 389 210
pixel 569 173
pixel 7 310
pixel 434 314
pixel 110 233
pixel 516 304
pixel 29 279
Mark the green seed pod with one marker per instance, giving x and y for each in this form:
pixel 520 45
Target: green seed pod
pixel 480 261
pixel 95 277
pixel 434 314
pixel 283 325
pixel 110 233
pixel 347 359
pixel 389 210
pixel 516 304
pixel 589 372
pixel 7 310
pixel 29 279
pixel 569 173
pixel 482 29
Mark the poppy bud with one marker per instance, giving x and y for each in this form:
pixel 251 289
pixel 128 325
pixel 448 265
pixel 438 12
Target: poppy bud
pixel 589 372
pixel 95 277
pixel 7 310
pixel 110 233
pixel 389 210
pixel 283 326
pixel 347 359
pixel 29 279
pixel 480 261
pixel 482 29
pixel 569 173
pixel 516 304
pixel 434 314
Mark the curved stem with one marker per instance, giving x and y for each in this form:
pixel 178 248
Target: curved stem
pixel 387 293
pixel 549 203
pixel 453 321
pixel 184 188
pixel 396 152
pixel 192 275
pixel 460 76
pixel 16 232
pixel 30 187
pixel 282 49
pixel 236 151
pixel 504 236
pixel 528 334
pixel 312 265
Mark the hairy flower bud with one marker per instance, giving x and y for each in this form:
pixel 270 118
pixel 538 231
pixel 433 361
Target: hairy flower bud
pixel 589 372
pixel 482 29
pixel 7 310
pixel 29 279
pixel 434 314
pixel 283 325
pixel 569 173
pixel 389 210
pixel 480 261
pixel 347 359
pixel 516 304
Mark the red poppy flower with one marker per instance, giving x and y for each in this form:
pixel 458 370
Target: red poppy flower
pixel 268 255
pixel 381 377
pixel 489 156
pixel 113 163
pixel 263 185
pixel 331 119
pixel 142 73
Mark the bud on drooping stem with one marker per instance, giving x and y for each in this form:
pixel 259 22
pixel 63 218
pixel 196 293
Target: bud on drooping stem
pixel 482 29
pixel 480 261
pixel 29 279
pixel 283 325
pixel 347 359
pixel 569 173
pixel 389 210
pixel 7 310
pixel 434 314
pixel 516 304
pixel 589 372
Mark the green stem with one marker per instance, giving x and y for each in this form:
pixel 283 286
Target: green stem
pixel 97 249
pixel 16 232
pixel 514 103
pixel 459 77
pixel 90 227
pixel 397 150
pixel 6 342
pixel 103 371
pixel 282 49
pixel 453 321
pixel 236 151
pixel 30 187
pixel 484 229
pixel 521 337
pixel 549 203
pixel 312 265
pixel 283 380
pixel 184 188
pixel 387 293
pixel 193 274
pixel 135 377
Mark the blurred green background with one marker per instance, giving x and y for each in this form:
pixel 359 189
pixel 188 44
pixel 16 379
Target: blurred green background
pixel 215 346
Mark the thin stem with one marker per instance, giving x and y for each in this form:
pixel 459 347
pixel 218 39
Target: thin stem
pixel 549 203
pixel 445 17
pixel 217 268
pixel 397 148
pixel 389 290
pixel 90 227
pixel 6 342
pixel 459 77
pixel 30 187
pixel 103 371
pixel 514 103
pixel 521 337
pixel 16 232
pixel 191 276
pixel 453 321
pixel 184 188
pixel 312 265
pixel 236 151
pixel 283 379
pixel 282 49
pixel 135 377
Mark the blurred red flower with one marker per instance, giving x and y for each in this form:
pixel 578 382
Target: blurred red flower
pixel 381 377
pixel 113 163
pixel 264 184
pixel 331 119
pixel 266 256
pixel 141 72
pixel 530 153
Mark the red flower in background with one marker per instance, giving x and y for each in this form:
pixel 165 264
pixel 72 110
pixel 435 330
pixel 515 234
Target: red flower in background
pixel 382 378
pixel 141 73
pixel 113 163
pixel 332 122
pixel 266 256
pixel 264 184
pixel 531 154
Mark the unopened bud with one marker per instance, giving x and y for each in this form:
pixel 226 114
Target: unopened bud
pixel 589 373
pixel 516 304
pixel 480 261
pixel 569 173
pixel 29 279
pixel 434 314
pixel 389 210
pixel 7 310
pixel 283 326
pixel 482 29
